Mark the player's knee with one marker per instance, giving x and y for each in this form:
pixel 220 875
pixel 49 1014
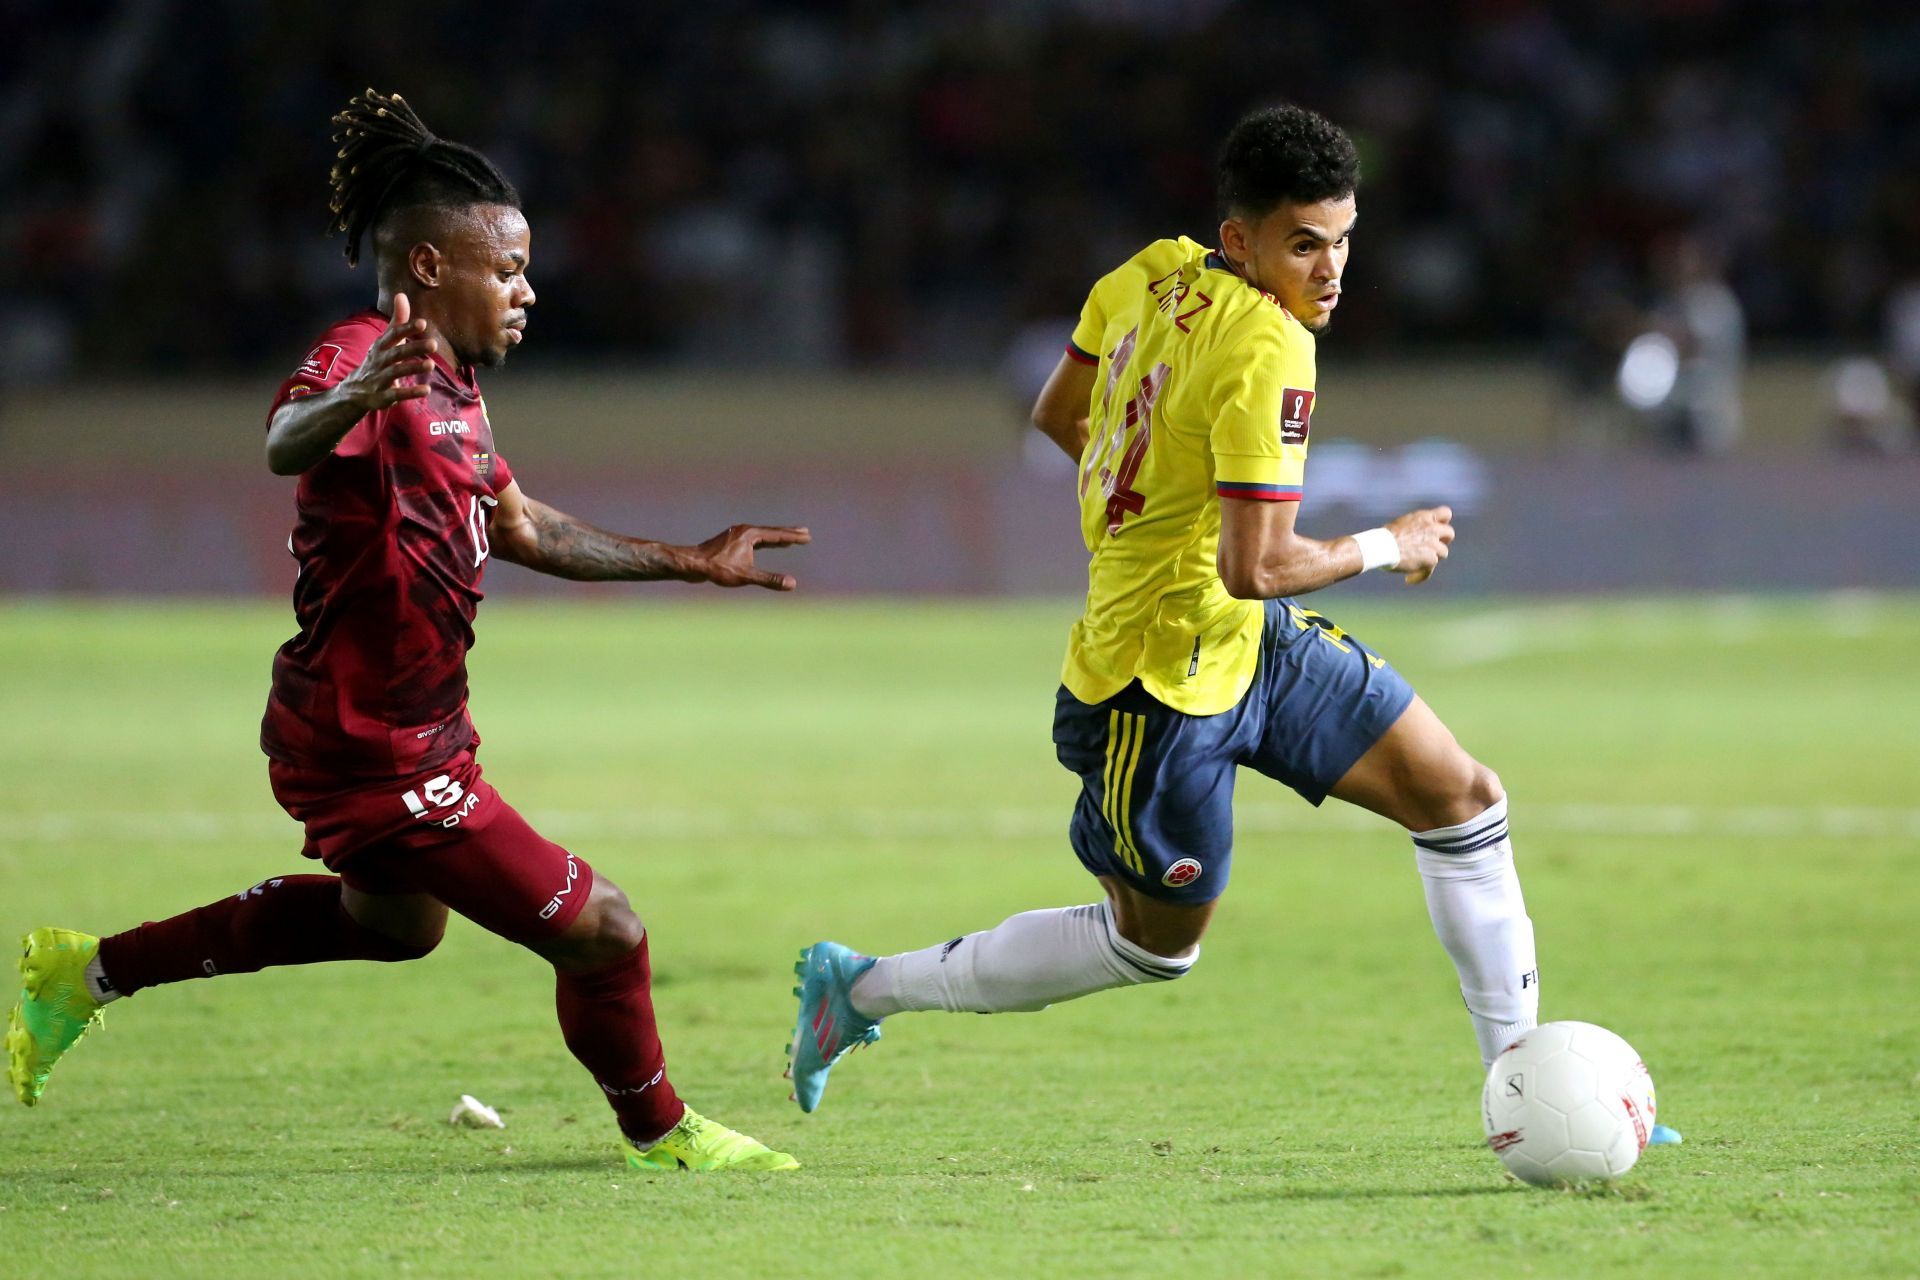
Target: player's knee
pixel 423 942
pixel 392 941
pixel 395 928
pixel 606 930
pixel 1170 935
pixel 1163 944
pixel 619 931
pixel 416 946
pixel 1154 955
pixel 1465 792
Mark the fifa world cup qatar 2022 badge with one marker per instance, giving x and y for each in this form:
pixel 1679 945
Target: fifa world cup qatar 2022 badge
pixel 1296 415
pixel 319 362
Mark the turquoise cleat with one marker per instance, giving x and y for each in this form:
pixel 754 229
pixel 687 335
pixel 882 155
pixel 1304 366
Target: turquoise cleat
pixel 1664 1135
pixel 828 1027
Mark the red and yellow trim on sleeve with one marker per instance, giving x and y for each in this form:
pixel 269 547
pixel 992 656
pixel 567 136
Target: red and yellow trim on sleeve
pixel 1260 477
pixel 1256 492
pixel 1083 357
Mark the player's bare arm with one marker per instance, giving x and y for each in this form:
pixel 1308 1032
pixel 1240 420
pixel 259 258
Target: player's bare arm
pixel 305 430
pixel 1061 411
pixel 1262 558
pixel 531 533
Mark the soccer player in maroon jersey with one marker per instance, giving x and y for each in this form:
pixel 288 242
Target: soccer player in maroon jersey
pixel 402 498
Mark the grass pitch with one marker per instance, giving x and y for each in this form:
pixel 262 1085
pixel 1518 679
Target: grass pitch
pixel 1716 816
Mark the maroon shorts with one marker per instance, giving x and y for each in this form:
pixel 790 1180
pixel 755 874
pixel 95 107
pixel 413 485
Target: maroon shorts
pixel 444 832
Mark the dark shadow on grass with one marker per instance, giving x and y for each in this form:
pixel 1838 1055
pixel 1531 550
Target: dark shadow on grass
pixel 505 1166
pixel 615 1167
pixel 1373 1193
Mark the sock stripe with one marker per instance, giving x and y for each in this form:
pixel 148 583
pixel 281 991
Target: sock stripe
pixel 1459 847
pixel 1155 972
pixel 1465 831
pixel 1157 968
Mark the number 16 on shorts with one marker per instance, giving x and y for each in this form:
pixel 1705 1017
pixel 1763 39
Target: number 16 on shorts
pixel 440 793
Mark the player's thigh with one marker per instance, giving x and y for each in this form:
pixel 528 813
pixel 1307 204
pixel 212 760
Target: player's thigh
pixel 1155 809
pixel 407 849
pixel 1324 699
pixel 1419 776
pixel 506 877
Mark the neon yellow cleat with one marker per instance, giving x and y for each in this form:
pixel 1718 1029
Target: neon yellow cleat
pixel 698 1143
pixel 55 1008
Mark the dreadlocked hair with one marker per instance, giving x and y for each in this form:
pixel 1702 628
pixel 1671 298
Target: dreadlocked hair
pixel 389 160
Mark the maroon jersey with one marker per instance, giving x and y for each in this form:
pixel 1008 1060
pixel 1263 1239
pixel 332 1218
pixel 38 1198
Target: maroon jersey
pixel 391 537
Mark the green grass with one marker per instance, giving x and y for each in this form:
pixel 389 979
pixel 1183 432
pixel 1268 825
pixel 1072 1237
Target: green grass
pixel 1717 820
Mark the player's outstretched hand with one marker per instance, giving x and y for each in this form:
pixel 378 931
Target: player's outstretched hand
pixel 1423 537
pixel 403 352
pixel 729 555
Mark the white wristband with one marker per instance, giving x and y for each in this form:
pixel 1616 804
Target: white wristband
pixel 1379 549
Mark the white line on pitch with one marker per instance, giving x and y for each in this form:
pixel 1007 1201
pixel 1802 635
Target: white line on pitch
pixel 1254 819
pixel 1577 626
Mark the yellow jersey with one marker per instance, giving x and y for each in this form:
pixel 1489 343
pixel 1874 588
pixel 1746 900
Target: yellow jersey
pixel 1204 391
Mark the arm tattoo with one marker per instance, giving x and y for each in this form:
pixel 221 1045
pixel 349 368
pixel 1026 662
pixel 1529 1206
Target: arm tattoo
pixel 569 548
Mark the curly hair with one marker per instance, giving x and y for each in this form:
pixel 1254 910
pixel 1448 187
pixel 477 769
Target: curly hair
pixel 1285 154
pixel 390 160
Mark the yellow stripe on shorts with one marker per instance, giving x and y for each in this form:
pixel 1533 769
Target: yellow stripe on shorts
pixel 1119 733
pixel 1125 736
pixel 1108 777
pixel 1132 851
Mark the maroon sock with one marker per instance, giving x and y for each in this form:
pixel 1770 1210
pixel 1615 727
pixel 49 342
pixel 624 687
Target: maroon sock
pixel 606 1015
pixel 288 920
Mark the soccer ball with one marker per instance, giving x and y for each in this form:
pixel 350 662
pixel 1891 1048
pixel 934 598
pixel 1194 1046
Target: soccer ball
pixel 1568 1102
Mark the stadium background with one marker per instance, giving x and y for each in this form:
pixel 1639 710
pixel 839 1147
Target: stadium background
pixel 808 263
pixel 804 262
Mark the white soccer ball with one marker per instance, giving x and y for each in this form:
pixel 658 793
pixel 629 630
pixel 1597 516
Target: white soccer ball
pixel 1568 1102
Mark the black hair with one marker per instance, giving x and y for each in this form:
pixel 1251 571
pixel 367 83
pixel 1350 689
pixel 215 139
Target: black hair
pixel 1285 154
pixel 389 160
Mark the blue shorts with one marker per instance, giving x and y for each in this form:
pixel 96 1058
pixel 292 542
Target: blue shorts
pixel 1156 785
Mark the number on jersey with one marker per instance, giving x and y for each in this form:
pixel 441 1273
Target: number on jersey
pixel 477 518
pixel 1117 455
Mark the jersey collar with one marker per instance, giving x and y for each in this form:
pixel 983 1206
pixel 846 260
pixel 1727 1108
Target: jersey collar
pixel 461 377
pixel 464 379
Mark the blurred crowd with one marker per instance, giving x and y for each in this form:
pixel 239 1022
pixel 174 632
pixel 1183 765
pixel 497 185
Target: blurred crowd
pixel 900 182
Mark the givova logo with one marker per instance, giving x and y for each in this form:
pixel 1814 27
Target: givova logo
pixel 613 1091
pixel 553 906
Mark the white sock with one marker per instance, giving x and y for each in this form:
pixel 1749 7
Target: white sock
pixel 1025 963
pixel 98 986
pixel 1473 896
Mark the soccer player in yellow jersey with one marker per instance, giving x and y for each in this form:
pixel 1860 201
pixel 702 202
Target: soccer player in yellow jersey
pixel 1186 397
